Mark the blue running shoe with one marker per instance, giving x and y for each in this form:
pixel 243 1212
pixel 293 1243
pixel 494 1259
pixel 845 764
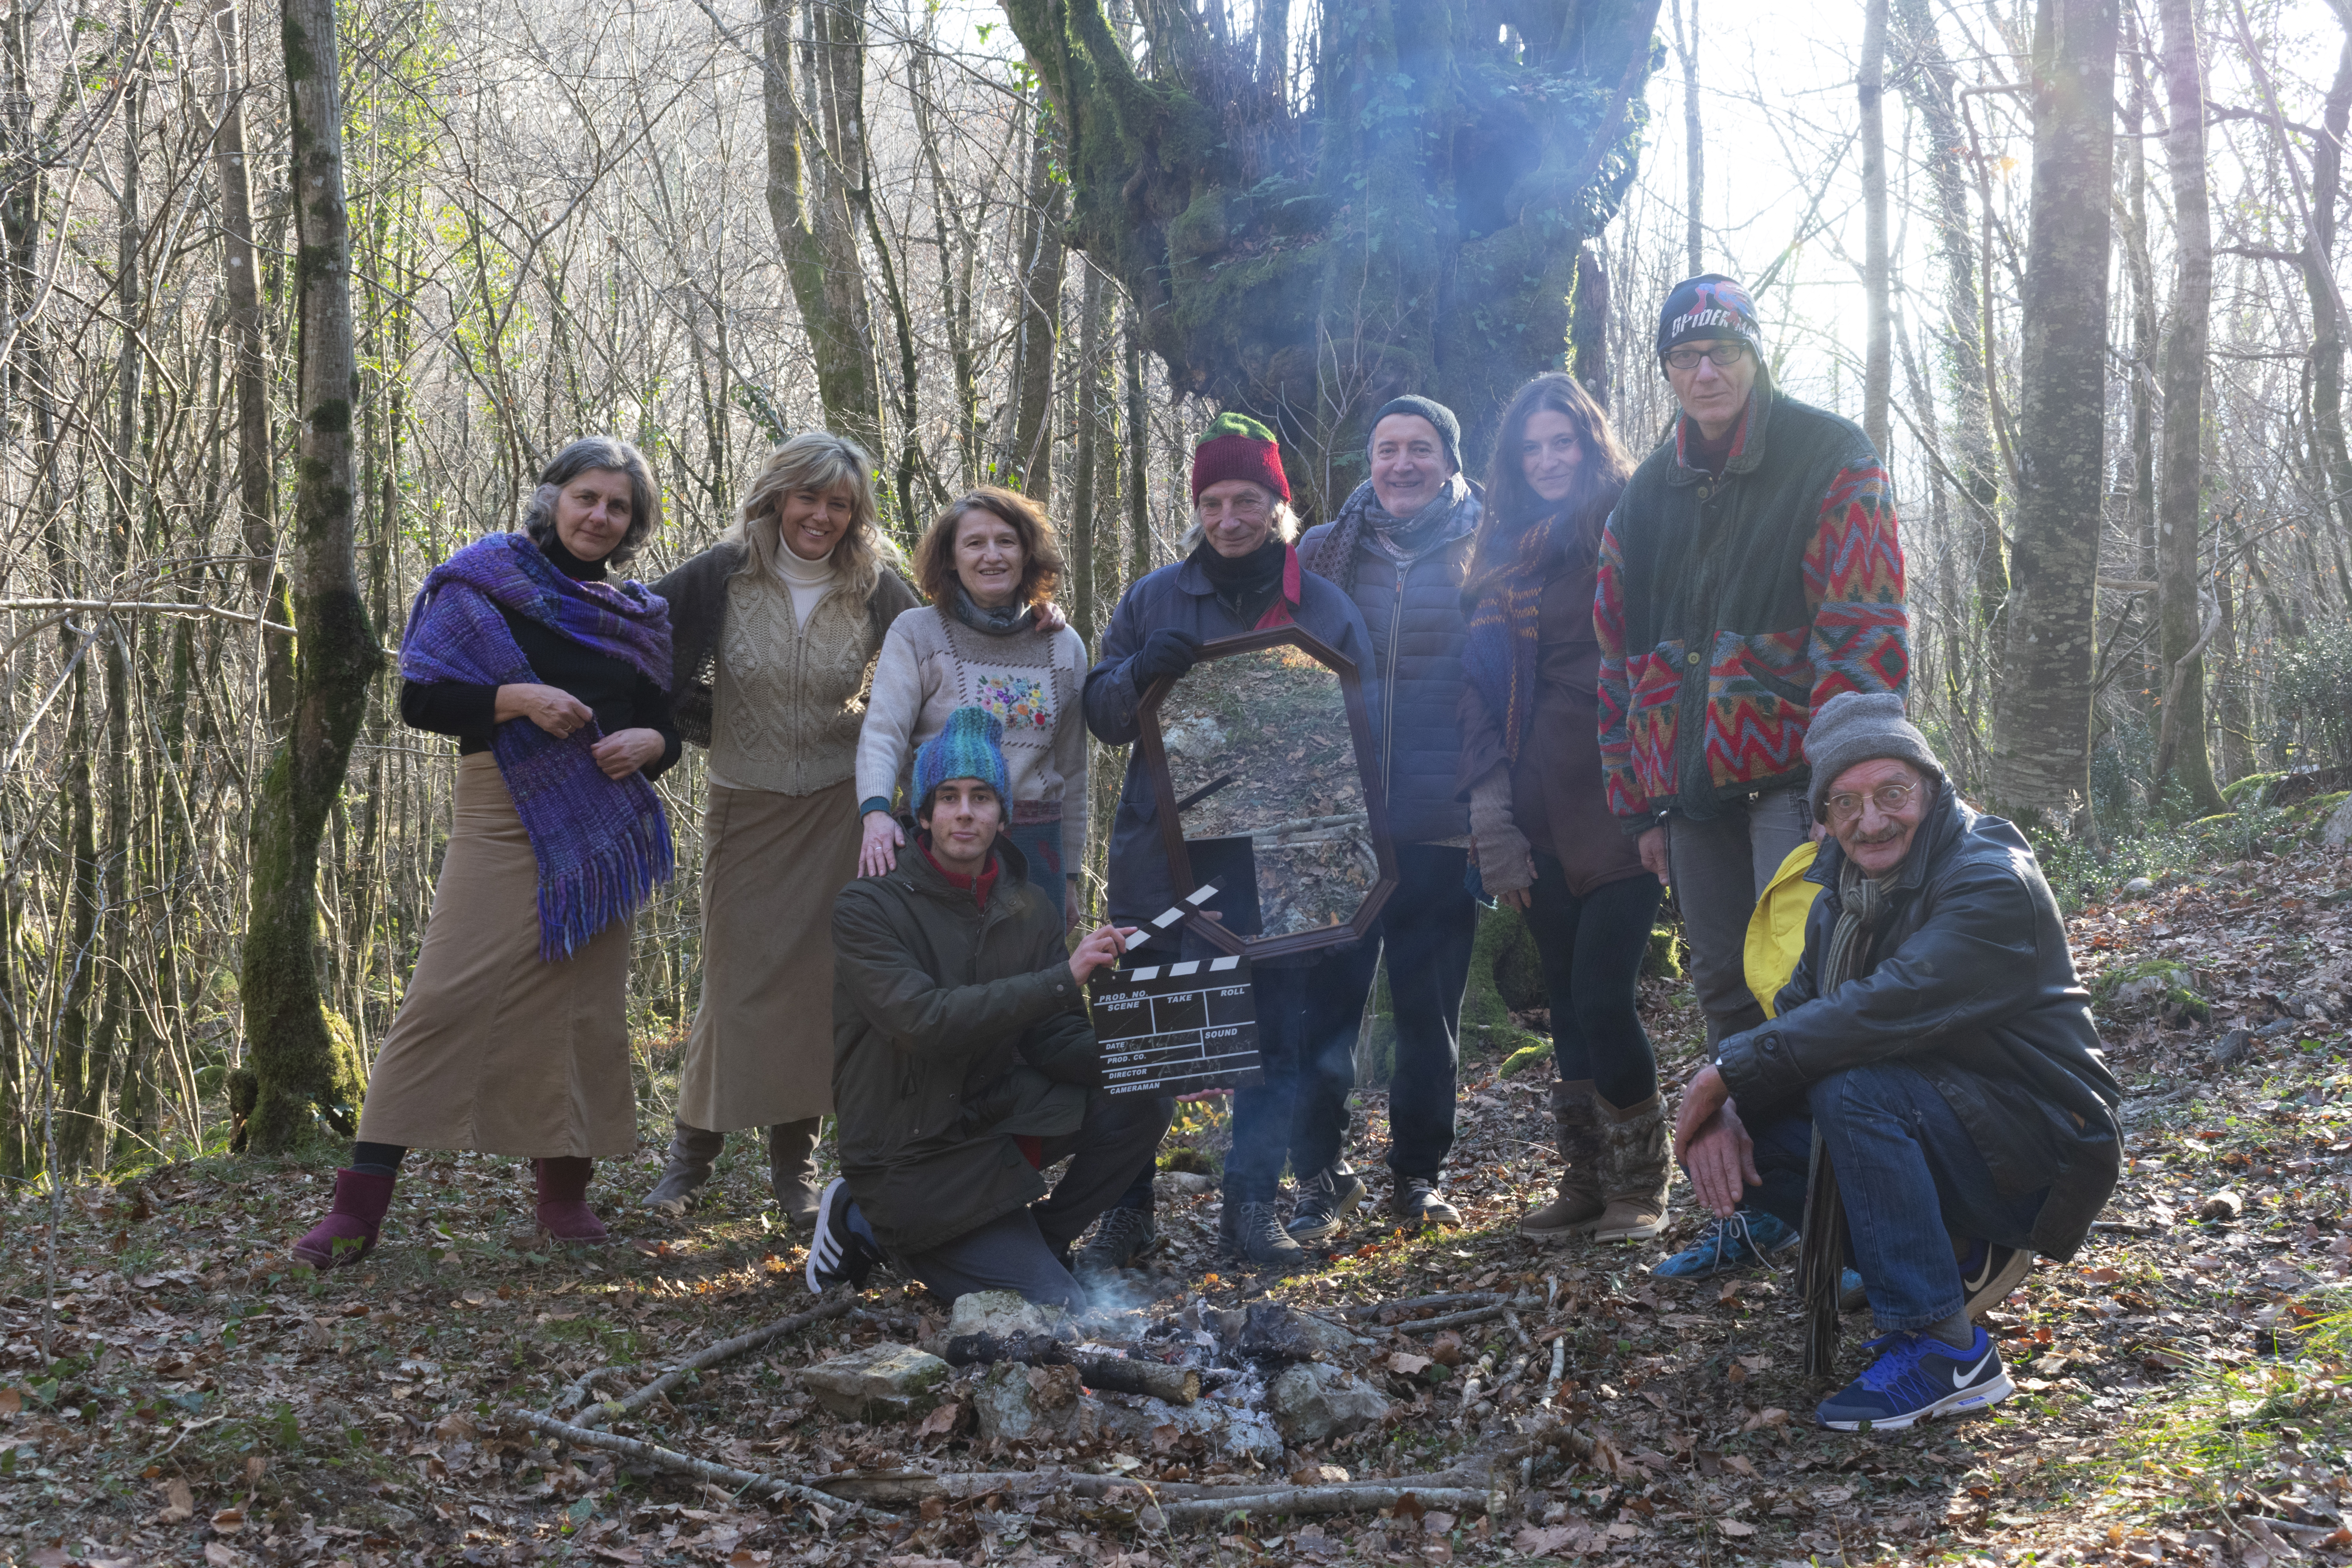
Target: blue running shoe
pixel 1747 1237
pixel 1916 1377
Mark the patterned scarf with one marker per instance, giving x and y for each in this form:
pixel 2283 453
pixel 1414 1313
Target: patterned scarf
pixel 1821 1262
pixel 1453 510
pixel 1001 622
pixel 600 845
pixel 1505 596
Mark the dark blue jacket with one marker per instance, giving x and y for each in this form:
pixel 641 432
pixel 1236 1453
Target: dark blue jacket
pixel 1179 597
pixel 1418 631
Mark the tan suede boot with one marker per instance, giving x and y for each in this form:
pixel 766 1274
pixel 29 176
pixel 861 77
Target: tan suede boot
pixel 1639 1166
pixel 1576 1130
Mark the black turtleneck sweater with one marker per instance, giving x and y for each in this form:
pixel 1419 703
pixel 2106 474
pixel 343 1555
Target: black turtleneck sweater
pixel 1247 585
pixel 614 690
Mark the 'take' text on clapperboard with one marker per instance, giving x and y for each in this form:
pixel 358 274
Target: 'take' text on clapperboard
pixel 1177 1028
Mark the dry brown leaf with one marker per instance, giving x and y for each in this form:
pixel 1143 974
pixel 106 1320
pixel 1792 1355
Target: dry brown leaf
pixel 229 1521
pixel 942 1422
pixel 12 1401
pixel 1737 1529
pixel 220 1554
pixel 179 1502
pixel 1407 1365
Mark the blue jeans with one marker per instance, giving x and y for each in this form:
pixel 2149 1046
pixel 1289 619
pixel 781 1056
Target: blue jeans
pixel 1427 929
pixel 1912 1181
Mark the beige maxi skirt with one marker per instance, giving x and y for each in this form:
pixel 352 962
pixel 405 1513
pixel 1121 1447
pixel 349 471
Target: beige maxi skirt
pixel 760 1050
pixel 493 1049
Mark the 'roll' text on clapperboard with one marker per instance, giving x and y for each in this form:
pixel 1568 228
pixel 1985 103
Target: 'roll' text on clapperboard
pixel 1177 1028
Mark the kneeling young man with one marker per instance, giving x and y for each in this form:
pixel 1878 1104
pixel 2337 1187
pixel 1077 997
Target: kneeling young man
pixel 1936 1038
pixel 963 1061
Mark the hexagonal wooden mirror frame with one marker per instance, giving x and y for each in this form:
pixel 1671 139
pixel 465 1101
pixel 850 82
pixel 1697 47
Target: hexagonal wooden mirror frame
pixel 1172 827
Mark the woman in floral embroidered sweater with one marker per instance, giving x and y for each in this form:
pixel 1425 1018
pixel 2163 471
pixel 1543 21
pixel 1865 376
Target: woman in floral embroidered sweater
pixel 989 564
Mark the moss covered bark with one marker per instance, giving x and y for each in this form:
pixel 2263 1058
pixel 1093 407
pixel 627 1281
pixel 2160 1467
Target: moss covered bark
pixel 1412 225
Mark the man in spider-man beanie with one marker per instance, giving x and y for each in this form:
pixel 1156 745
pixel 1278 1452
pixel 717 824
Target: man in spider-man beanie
pixel 1710 305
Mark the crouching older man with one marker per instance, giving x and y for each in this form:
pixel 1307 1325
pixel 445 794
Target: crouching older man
pixel 1935 1038
pixel 963 1060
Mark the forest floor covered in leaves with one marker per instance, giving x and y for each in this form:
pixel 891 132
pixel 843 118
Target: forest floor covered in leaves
pixel 192 1397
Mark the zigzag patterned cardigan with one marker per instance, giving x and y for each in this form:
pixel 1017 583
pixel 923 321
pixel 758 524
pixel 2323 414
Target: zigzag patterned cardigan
pixel 1728 610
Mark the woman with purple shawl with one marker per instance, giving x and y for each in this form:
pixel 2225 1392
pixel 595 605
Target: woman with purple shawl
pixel 554 677
pixel 1540 831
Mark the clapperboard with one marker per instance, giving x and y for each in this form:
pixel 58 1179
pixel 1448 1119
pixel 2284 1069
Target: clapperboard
pixel 1177 1028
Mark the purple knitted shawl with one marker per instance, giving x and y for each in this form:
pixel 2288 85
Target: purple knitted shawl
pixel 601 844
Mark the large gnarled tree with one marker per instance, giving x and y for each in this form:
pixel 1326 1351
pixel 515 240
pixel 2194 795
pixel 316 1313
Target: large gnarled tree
pixel 1409 221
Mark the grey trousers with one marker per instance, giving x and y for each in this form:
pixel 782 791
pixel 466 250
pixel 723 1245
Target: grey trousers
pixel 1022 1250
pixel 1720 867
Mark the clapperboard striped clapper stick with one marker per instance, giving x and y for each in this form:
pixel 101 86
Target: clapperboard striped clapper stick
pixel 1177 1028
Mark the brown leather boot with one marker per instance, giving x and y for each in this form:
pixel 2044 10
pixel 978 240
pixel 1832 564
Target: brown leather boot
pixel 1576 1131
pixel 1639 1166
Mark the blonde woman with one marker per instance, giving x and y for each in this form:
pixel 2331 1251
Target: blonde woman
pixel 776 627
pixel 988 563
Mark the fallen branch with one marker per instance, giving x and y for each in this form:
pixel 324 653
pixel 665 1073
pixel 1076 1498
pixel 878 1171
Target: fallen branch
pixel 573 1397
pixel 1176 1385
pixel 1454 1319
pixel 1350 1498
pixel 750 1483
pixel 1414 1303
pixel 725 1350
pixel 903 1487
pixel 1511 1321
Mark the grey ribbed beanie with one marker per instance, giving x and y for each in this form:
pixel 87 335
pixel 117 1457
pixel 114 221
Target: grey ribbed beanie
pixel 1862 727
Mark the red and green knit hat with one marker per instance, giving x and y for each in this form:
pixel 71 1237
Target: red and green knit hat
pixel 1236 446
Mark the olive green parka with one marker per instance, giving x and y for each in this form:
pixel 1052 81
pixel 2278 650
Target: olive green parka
pixel 953 1030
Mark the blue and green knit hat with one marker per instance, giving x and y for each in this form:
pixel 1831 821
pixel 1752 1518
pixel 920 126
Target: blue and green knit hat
pixel 970 747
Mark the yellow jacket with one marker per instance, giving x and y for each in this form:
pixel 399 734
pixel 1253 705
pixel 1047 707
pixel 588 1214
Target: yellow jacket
pixel 1776 930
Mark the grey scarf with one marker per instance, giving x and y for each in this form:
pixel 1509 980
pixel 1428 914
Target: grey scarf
pixel 1862 900
pixel 999 623
pixel 1453 511
pixel 1862 904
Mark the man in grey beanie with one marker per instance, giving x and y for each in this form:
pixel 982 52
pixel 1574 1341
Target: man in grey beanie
pixel 1936 1041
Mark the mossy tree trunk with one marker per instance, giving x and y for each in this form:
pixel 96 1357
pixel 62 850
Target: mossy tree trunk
pixel 1411 226
pixel 302 1055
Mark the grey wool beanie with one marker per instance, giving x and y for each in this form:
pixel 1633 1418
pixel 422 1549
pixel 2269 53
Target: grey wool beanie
pixel 1860 727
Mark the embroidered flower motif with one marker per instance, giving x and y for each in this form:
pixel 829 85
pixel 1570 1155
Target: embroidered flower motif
pixel 1019 702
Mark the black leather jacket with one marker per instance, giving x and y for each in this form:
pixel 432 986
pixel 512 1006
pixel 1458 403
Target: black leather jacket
pixel 1970 982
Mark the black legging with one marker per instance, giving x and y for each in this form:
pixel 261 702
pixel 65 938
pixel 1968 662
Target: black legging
pixel 1591 950
pixel 378 1159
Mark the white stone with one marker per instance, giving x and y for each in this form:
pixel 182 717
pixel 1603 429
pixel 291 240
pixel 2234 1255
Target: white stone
pixel 1314 1400
pixel 881 1383
pixel 2338 833
pixel 1003 1314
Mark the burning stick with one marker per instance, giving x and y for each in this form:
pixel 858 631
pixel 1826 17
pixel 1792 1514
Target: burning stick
pixel 1176 1385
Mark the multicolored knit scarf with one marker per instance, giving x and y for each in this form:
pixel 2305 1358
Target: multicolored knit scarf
pixel 1504 595
pixel 602 843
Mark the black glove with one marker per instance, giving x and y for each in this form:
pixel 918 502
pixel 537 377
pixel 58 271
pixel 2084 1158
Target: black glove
pixel 1165 652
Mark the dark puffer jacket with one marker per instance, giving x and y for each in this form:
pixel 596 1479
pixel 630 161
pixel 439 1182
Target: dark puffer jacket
pixel 1179 597
pixel 1415 621
pixel 1970 982
pixel 953 1029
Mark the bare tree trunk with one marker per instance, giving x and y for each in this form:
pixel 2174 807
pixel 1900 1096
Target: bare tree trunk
pixel 1976 462
pixel 1083 489
pixel 1694 146
pixel 2041 731
pixel 2180 744
pixel 807 207
pixel 2140 384
pixel 256 476
pixel 302 1054
pixel 2326 373
pixel 1027 459
pixel 1139 453
pixel 1878 352
pixel 1589 323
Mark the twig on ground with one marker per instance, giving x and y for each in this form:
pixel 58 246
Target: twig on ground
pixel 750 1482
pixel 1414 1303
pixel 1176 1385
pixel 1511 1321
pixel 725 1350
pixel 1352 1498
pixel 573 1397
pixel 1454 1319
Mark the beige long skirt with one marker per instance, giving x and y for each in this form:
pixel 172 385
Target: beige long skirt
pixel 493 1049
pixel 761 1047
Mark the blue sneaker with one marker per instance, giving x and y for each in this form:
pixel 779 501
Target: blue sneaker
pixel 1745 1240
pixel 1917 1376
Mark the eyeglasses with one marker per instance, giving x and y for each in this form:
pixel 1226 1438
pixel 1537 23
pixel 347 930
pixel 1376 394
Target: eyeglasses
pixel 1725 356
pixel 1889 798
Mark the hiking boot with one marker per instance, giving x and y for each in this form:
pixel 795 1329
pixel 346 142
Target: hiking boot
pixel 692 1152
pixel 1638 1168
pixel 1746 1239
pixel 349 1230
pixel 1326 1199
pixel 791 1169
pixel 564 1213
pixel 1257 1237
pixel 1576 1133
pixel 837 1254
pixel 1916 1377
pixel 1120 1237
pixel 1416 1201
pixel 1989 1273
